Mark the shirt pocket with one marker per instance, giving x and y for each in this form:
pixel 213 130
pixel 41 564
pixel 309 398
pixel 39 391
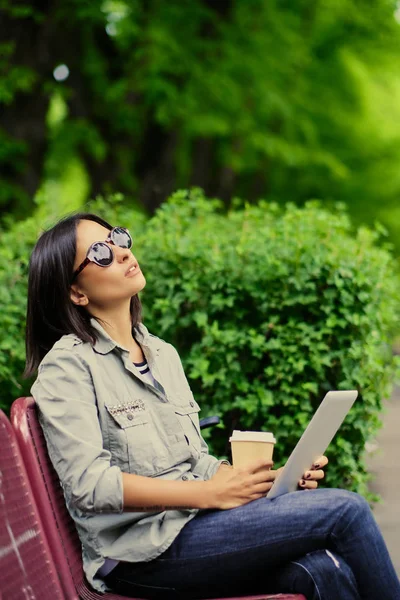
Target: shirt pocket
pixel 187 412
pixel 134 443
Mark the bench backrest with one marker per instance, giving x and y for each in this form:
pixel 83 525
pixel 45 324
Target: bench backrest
pixel 27 571
pixel 60 529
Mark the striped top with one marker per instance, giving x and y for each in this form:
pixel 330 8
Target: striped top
pixel 143 367
pixel 144 370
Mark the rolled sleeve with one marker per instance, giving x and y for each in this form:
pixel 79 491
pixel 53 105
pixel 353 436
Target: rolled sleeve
pixel 67 406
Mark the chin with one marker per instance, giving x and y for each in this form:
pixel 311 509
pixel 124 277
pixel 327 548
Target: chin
pixel 139 283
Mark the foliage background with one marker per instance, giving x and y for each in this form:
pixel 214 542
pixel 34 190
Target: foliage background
pixel 287 101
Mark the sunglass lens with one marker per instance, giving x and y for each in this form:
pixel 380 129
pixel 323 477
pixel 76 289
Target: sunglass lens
pixel 121 237
pixel 101 254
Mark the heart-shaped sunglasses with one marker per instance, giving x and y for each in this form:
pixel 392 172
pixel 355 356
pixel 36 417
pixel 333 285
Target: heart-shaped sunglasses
pixel 101 253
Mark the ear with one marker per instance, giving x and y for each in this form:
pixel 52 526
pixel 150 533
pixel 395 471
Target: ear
pixel 78 297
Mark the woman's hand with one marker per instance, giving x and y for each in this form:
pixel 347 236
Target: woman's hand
pixel 310 478
pixel 231 487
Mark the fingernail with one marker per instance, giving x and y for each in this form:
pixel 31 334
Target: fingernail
pixel 302 482
pixel 307 476
pixel 317 466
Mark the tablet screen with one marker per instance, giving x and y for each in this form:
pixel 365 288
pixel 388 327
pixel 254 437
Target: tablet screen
pixel 316 438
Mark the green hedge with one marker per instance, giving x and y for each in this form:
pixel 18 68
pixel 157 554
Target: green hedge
pixel 268 307
pixel 15 248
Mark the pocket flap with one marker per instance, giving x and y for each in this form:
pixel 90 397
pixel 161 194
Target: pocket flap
pixel 187 407
pixel 129 414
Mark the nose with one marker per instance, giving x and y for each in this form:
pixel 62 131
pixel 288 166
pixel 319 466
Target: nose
pixel 123 254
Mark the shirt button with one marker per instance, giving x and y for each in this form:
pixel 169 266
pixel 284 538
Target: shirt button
pixel 185 477
pixel 191 403
pixel 130 417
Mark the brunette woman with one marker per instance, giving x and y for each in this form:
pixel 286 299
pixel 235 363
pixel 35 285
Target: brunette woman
pixel 159 517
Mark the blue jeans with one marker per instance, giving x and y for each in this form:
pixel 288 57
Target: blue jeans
pixel 324 544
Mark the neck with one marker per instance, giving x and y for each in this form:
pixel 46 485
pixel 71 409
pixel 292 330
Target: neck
pixel 117 323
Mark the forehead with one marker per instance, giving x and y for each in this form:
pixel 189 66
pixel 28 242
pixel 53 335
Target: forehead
pixel 88 232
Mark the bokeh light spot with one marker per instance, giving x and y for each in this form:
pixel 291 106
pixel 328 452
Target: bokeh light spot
pixel 61 73
pixel 111 29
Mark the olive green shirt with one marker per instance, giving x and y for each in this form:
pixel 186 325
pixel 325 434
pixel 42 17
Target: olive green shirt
pixel 100 418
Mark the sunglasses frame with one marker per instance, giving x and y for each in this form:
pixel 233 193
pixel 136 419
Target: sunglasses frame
pixel 109 240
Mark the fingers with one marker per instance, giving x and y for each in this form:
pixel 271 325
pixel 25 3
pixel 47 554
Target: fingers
pixel 314 475
pixel 320 463
pixel 257 465
pixel 261 488
pixel 308 485
pixel 263 476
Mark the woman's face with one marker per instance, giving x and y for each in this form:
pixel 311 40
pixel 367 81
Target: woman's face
pixel 103 287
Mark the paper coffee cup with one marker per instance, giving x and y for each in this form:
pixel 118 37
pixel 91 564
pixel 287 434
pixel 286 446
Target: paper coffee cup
pixel 248 446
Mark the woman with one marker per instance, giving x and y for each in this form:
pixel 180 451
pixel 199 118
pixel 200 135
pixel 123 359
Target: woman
pixel 158 516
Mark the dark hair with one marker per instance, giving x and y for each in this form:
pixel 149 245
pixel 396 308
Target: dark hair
pixel 50 312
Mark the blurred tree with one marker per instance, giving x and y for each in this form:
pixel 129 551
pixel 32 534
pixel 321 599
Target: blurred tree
pixel 282 99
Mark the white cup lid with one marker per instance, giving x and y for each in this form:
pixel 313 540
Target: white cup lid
pixel 252 436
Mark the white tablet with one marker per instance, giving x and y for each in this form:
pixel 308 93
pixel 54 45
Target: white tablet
pixel 316 438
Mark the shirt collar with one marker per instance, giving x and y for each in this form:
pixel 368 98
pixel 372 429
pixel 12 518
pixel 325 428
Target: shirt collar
pixel 105 344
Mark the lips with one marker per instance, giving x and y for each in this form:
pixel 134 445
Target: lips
pixel 130 269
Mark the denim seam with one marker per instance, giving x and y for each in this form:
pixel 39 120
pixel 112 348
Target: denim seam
pixel 230 553
pixel 307 571
pixel 144 585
